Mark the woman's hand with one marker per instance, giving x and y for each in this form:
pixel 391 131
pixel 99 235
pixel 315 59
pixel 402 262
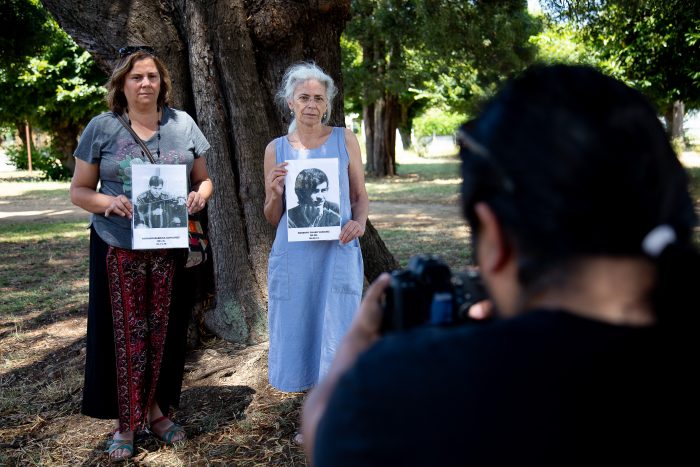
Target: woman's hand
pixel 195 202
pixel 121 206
pixel 275 179
pixel 351 230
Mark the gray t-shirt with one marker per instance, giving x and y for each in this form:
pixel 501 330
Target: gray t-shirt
pixel 106 142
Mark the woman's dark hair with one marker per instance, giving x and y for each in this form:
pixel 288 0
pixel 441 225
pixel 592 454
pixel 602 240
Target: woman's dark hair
pixel 307 181
pixel 116 100
pixel 576 164
pixel 155 180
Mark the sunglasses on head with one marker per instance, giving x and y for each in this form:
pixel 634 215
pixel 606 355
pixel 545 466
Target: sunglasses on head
pixel 131 49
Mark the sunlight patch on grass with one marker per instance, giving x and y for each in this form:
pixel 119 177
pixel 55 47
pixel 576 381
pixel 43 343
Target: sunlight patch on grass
pixel 442 192
pixel 26 190
pixel 45 231
pixel 431 170
pixel 419 180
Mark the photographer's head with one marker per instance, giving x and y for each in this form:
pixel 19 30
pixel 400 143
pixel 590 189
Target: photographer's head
pixel 569 165
pixel 583 224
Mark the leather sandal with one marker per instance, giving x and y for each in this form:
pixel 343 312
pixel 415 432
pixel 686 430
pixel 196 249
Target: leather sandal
pixel 117 444
pixel 173 430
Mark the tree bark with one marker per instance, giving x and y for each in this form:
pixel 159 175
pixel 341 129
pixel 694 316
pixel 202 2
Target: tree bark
pixel 386 113
pixel 375 265
pixel 22 133
pixel 368 121
pixel 65 140
pixel 227 58
pixel 674 121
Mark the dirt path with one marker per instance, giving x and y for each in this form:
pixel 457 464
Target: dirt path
pixel 39 201
pixel 38 210
pixel 380 211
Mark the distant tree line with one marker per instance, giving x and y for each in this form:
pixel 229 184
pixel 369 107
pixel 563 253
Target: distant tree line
pixel 399 58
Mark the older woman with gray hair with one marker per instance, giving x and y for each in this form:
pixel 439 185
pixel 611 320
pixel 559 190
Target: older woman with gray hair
pixel 315 286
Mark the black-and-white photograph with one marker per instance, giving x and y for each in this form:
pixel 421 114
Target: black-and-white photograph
pixel 160 210
pixel 313 209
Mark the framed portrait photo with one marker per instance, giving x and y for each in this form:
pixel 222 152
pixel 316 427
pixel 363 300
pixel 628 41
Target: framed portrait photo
pixel 159 197
pixel 313 200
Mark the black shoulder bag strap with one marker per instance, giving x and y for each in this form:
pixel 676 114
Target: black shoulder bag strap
pixel 140 142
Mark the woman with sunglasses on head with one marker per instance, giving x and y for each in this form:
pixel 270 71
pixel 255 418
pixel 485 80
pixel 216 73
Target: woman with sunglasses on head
pixel 137 312
pixel 582 228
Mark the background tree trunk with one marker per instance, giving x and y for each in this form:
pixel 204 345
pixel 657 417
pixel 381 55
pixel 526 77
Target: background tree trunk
pixel 386 116
pixel 227 58
pixel 674 121
pixel 22 134
pixel 368 122
pixel 65 140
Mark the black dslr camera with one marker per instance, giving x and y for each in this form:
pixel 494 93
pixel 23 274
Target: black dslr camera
pixel 428 293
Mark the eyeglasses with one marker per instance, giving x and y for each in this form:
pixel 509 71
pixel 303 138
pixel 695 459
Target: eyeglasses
pixel 132 49
pixel 305 99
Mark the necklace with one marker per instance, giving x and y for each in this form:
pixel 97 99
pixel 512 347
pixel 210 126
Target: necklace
pixel 157 133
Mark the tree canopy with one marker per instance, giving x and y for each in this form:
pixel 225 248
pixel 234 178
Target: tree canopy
pixel 49 82
pixel 650 44
pixel 403 54
pixel 23 29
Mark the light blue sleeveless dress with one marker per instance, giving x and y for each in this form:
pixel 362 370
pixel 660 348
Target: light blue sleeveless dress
pixel 314 287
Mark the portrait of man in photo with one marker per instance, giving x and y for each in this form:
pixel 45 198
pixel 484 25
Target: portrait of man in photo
pixel 314 210
pixel 158 209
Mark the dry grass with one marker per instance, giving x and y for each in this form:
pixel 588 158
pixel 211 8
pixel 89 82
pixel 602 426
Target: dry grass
pixel 232 416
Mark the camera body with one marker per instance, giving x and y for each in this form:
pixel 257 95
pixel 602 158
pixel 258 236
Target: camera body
pixel 428 293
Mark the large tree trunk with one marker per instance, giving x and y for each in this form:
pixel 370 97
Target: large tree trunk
pixel 21 128
pixel 405 126
pixel 65 140
pixel 386 117
pixel 227 58
pixel 674 121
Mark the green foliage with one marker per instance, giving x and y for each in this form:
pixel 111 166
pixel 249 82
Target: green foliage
pixel 437 122
pixel 351 63
pixel 561 43
pixel 47 160
pixel 447 53
pixel 652 45
pixel 54 85
pixel 59 86
pixel 23 29
pixel 18 156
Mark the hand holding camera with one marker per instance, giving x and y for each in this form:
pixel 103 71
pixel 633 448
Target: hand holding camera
pixel 427 293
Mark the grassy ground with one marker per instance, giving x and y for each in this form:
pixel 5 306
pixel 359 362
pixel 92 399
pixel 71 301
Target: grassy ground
pixel 420 180
pixel 417 210
pixel 230 420
pixel 43 298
